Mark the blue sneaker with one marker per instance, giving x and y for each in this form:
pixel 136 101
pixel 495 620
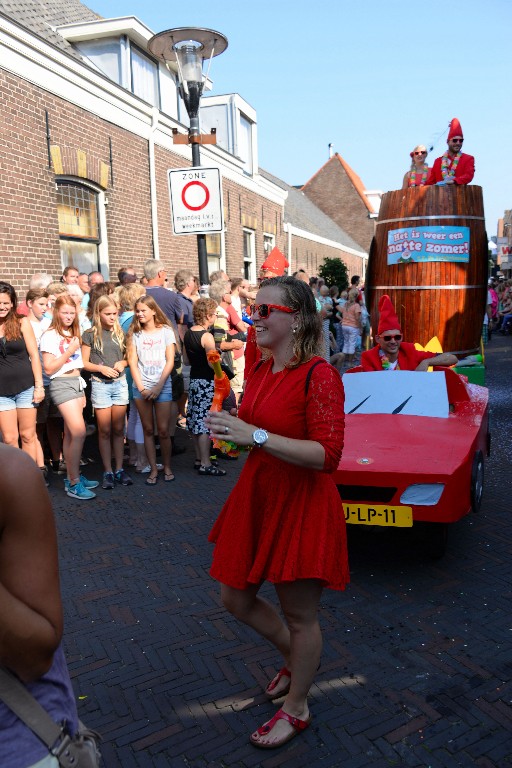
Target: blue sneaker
pixel 88 483
pixel 123 478
pixel 108 481
pixel 78 491
pixel 85 482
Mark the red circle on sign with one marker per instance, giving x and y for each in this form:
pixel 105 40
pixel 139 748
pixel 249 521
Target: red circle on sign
pixel 206 198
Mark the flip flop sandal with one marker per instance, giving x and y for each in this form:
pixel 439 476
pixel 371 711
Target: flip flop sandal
pixel 151 480
pixel 269 690
pixel 169 478
pixel 298 727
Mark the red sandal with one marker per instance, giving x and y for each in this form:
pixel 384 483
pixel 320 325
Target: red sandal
pixel 269 690
pixel 298 727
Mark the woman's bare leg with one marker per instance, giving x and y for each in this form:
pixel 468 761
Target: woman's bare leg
pixel 145 409
pixel 163 413
pixel 247 606
pixel 104 421
pixel 299 602
pixel 74 436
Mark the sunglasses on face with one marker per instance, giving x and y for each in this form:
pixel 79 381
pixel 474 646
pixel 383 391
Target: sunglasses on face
pixel 398 337
pixel 420 153
pixel 263 310
pixel 457 141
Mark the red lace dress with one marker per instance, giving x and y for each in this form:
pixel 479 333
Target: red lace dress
pixel 282 522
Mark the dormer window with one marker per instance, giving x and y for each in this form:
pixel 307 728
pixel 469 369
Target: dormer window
pixel 125 63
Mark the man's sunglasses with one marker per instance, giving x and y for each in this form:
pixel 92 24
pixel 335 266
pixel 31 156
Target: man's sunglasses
pixel 457 141
pixel 263 310
pixel 398 337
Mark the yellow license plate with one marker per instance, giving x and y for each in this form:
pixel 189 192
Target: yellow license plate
pixel 378 514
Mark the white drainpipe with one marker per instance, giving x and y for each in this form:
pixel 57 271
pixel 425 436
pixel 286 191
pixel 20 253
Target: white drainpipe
pixel 152 183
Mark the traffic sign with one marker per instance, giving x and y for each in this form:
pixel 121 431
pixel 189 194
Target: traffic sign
pixel 196 200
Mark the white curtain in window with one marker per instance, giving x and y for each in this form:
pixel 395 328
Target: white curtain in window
pixel 245 144
pixel 145 78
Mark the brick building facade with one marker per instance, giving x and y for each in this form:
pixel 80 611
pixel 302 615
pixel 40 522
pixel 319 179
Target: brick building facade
pixel 339 192
pixel 84 165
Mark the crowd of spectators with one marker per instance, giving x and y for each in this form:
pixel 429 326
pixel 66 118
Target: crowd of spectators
pixel 98 368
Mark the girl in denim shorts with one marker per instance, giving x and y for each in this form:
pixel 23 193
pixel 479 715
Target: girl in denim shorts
pixel 20 370
pixel 151 343
pixel 62 360
pixel 103 352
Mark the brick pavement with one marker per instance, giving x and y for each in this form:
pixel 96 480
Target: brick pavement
pixel 416 669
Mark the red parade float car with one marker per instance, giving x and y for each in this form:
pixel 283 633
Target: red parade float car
pixel 415 449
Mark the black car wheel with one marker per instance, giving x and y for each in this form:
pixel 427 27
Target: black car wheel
pixel 477 481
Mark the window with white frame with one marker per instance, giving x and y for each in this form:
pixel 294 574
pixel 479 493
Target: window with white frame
pixel 105 54
pixel 249 255
pixel 268 243
pixel 79 229
pixel 123 62
pixel 213 252
pixel 245 144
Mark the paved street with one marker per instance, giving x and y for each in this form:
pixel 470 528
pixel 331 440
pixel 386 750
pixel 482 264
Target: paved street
pixel 417 661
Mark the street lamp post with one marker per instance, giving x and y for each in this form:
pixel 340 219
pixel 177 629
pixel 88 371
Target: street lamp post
pixel 189 48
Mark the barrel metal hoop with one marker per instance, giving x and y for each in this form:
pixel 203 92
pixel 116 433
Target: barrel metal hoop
pixel 430 218
pixel 423 287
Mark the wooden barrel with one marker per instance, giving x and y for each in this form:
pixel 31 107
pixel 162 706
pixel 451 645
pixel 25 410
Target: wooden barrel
pixel 444 298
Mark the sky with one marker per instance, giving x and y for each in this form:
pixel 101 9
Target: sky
pixel 372 78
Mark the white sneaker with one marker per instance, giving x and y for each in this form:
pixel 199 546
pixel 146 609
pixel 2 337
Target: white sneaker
pixel 147 469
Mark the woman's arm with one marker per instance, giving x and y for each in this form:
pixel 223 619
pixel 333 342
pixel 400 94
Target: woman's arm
pixel 111 373
pixel 53 363
pixel 405 183
pixel 208 343
pixel 30 603
pixel 169 365
pixel 31 344
pixel 303 453
pixel 133 360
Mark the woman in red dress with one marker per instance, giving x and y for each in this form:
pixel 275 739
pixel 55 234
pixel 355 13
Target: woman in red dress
pixel 284 521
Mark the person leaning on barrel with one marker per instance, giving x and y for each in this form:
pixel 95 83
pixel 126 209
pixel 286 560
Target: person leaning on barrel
pixel 394 354
pixel 454 167
pixel 417 175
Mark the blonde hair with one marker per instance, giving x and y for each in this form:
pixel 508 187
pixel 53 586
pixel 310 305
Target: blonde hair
pixel 308 336
pixel 56 288
pixel 353 295
pixel 97 328
pixel 417 148
pixel 128 294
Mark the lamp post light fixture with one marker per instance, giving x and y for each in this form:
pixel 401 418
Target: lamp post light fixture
pixel 189 48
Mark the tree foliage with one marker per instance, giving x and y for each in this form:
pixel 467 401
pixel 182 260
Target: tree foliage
pixel 334 272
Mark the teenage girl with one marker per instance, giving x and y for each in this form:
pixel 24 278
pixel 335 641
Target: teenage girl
pixel 21 379
pixel 103 353
pixel 151 343
pixel 62 361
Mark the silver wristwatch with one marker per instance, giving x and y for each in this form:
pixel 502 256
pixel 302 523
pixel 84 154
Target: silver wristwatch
pixel 259 437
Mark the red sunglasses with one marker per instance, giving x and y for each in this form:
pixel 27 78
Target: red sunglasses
pixel 263 310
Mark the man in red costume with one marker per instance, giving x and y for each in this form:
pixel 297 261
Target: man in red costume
pixel 274 266
pixel 453 167
pixel 393 354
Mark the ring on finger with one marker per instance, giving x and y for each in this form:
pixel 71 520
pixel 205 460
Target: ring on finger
pixel 226 430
